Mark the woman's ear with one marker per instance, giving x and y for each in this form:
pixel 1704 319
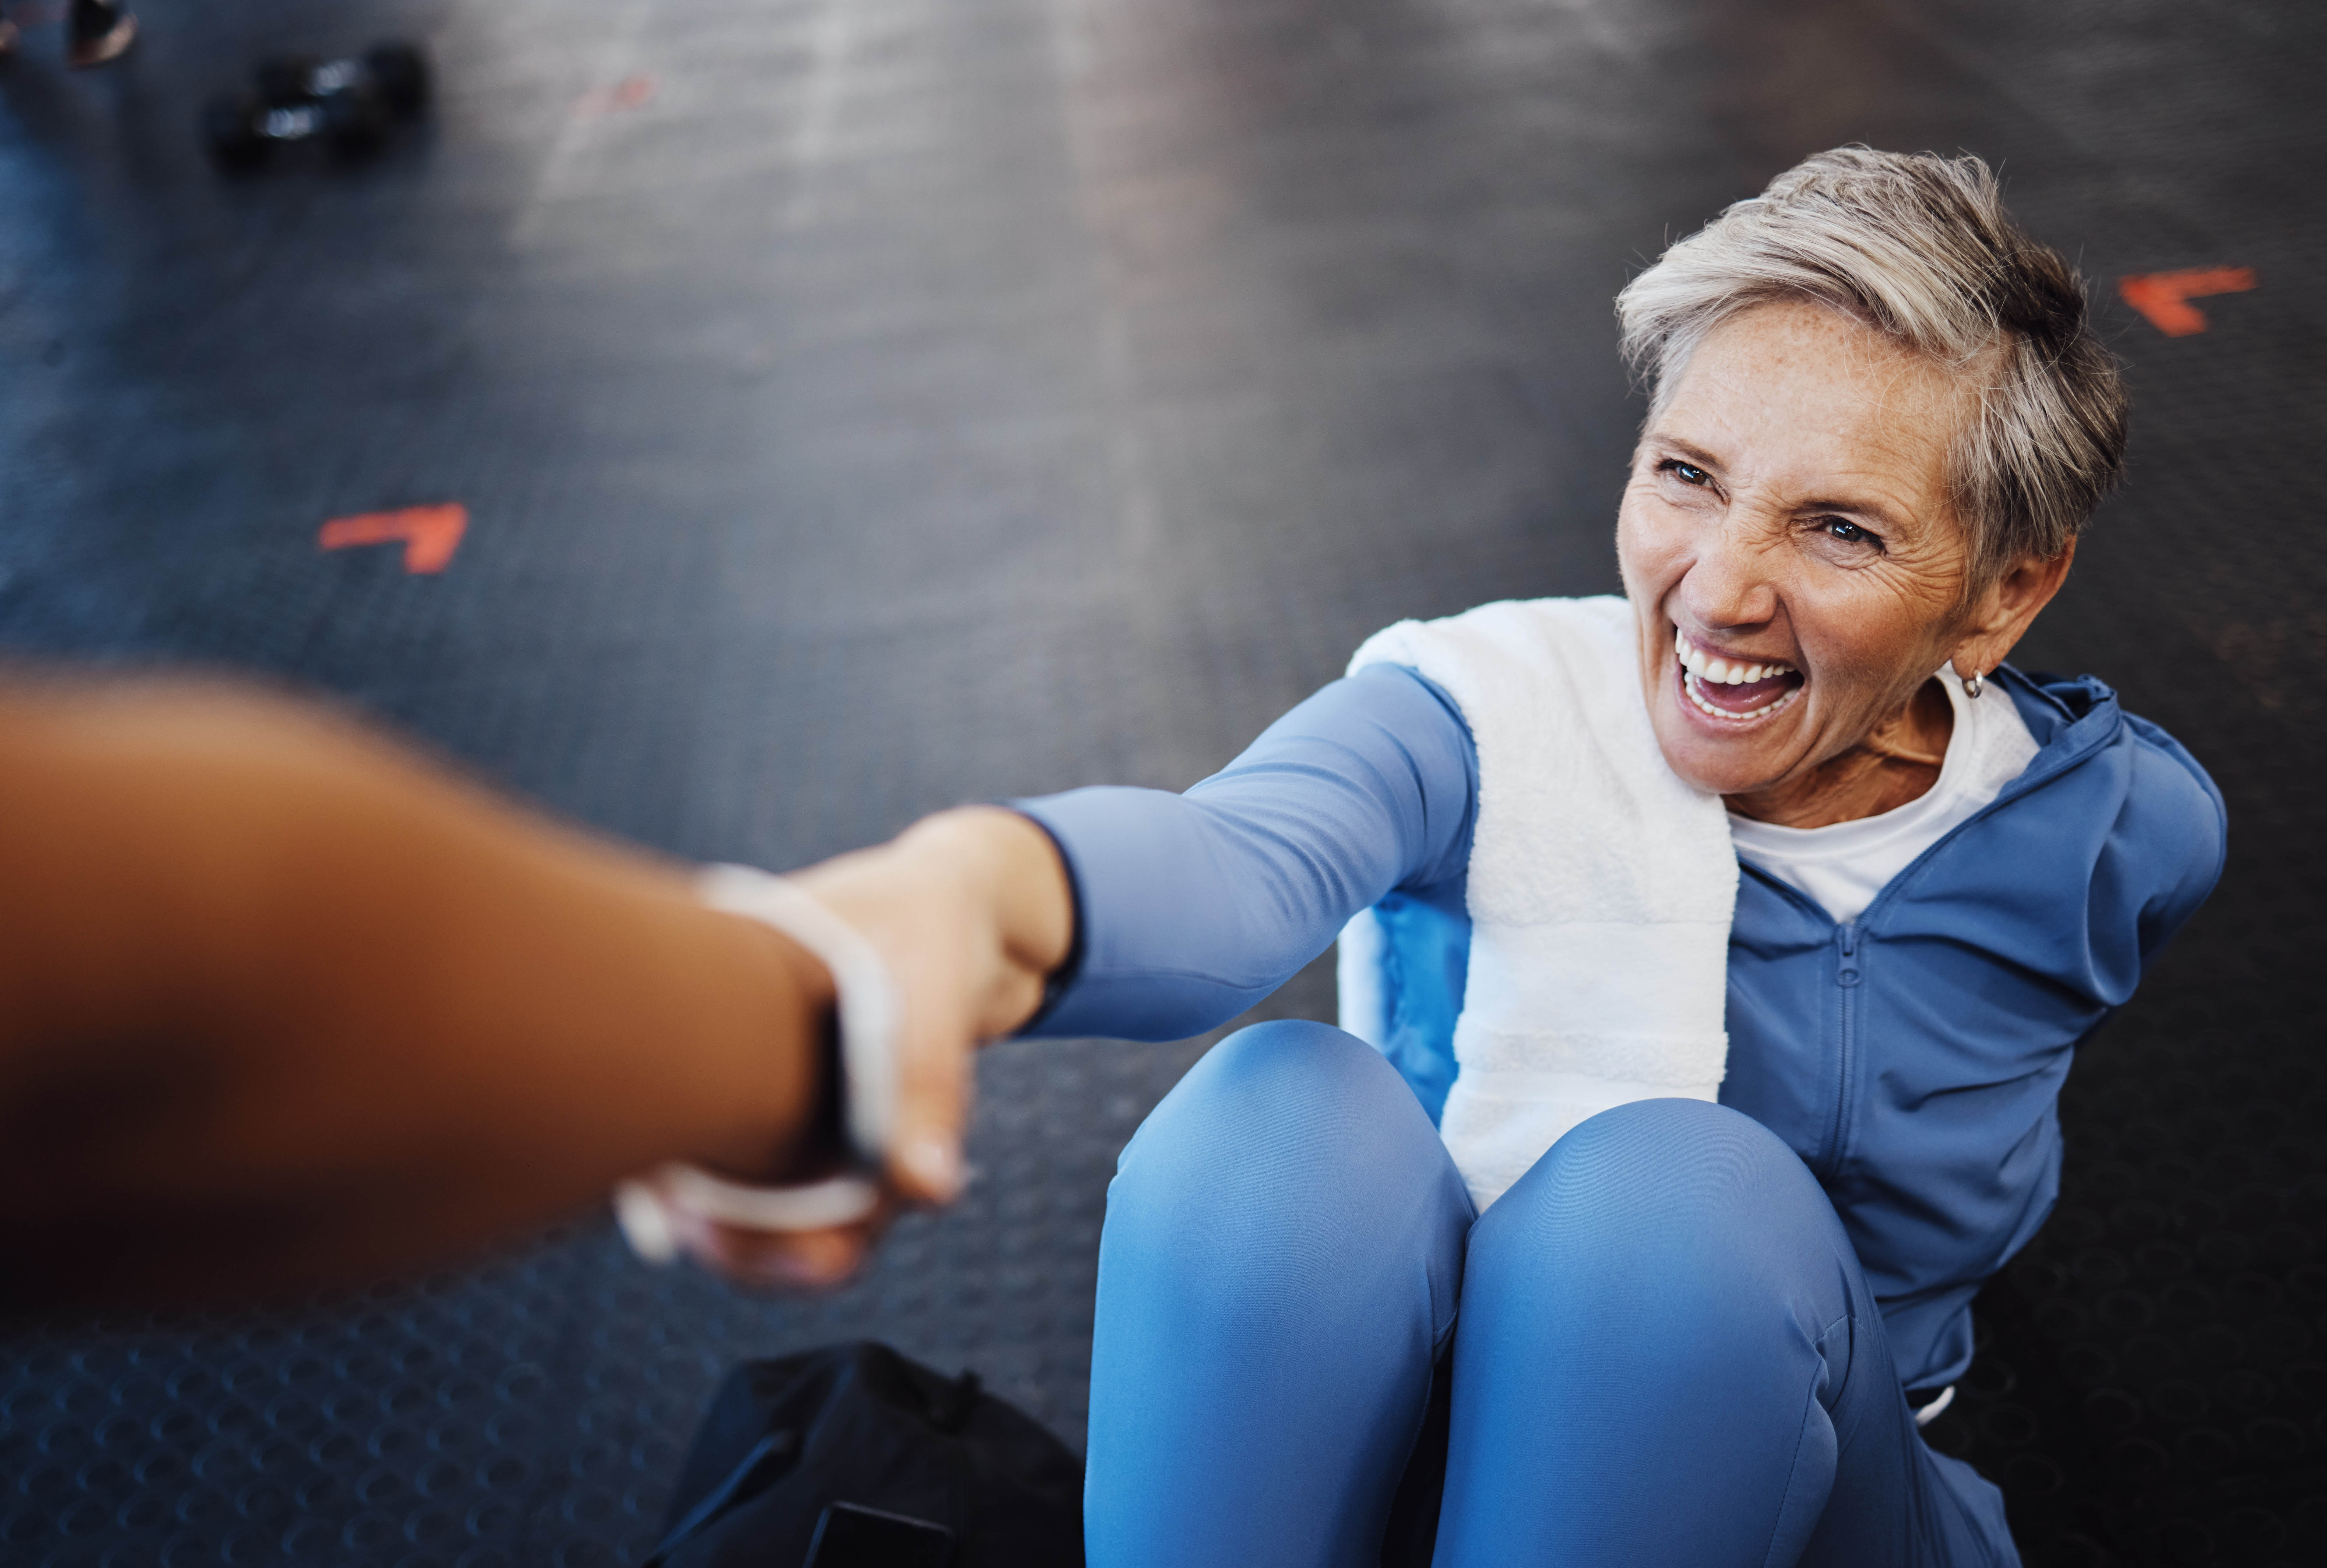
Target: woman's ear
pixel 2001 615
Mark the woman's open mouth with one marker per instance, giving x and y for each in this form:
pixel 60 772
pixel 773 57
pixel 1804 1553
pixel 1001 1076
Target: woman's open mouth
pixel 1734 689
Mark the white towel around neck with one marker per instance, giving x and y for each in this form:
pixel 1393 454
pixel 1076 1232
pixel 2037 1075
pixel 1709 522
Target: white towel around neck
pixel 1601 885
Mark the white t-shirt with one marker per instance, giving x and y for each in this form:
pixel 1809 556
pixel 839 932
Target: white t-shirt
pixel 1844 864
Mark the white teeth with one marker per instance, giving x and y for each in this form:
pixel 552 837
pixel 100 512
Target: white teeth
pixel 1723 672
pixel 1702 666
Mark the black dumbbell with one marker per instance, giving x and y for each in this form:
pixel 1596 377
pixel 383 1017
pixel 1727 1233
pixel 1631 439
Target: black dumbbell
pixel 350 104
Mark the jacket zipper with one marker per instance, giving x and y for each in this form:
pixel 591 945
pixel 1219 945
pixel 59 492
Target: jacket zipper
pixel 1846 980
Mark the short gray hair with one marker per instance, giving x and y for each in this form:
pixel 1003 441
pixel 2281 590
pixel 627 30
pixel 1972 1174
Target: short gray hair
pixel 1920 248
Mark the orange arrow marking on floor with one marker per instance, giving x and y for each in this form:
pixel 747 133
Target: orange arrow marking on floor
pixel 430 534
pixel 630 93
pixel 2164 296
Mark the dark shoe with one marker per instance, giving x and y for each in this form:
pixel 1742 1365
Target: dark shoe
pixel 99 30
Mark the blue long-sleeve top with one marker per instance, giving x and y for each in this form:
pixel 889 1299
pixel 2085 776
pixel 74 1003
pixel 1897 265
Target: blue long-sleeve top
pixel 1914 1056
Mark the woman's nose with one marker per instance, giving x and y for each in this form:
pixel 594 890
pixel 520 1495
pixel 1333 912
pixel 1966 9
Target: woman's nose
pixel 1730 583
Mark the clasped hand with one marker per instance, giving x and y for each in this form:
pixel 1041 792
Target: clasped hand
pixel 972 911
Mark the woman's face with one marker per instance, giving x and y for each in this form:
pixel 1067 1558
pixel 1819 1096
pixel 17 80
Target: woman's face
pixel 1793 565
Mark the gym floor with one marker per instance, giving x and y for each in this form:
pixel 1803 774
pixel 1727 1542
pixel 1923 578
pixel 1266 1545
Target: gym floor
pixel 863 406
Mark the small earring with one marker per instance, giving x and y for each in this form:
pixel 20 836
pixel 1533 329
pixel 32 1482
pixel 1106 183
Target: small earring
pixel 1974 686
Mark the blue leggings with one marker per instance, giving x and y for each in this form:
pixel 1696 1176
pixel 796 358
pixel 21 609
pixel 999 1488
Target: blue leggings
pixel 1668 1354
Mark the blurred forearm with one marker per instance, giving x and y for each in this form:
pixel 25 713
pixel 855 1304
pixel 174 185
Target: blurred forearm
pixel 281 1007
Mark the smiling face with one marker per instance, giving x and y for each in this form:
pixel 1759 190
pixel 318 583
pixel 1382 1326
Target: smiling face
pixel 1795 569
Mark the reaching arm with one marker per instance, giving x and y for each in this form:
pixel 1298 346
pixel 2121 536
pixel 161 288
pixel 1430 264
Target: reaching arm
pixel 282 1006
pixel 1193 906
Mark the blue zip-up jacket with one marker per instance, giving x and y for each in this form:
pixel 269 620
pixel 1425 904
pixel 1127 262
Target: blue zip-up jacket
pixel 1914 1056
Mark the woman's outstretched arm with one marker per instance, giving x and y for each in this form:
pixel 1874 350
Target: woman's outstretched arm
pixel 282 1005
pixel 1193 906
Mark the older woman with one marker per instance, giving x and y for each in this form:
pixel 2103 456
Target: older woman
pixel 1779 830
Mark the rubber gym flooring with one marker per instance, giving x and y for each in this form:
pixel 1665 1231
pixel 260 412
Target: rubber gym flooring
pixel 861 406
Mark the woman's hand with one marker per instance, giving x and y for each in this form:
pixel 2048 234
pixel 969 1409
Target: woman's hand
pixel 972 911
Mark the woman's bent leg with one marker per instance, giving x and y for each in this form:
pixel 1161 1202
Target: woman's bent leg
pixel 1669 1354
pixel 1282 1259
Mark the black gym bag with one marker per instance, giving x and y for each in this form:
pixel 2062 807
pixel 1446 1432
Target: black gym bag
pixel 855 1456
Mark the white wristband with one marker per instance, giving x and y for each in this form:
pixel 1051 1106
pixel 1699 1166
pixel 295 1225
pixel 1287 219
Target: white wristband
pixel 868 1012
pixel 869 1009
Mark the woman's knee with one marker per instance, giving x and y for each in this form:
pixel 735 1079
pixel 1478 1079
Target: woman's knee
pixel 1291 1141
pixel 1288 1092
pixel 1680 1197
pixel 1676 1160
